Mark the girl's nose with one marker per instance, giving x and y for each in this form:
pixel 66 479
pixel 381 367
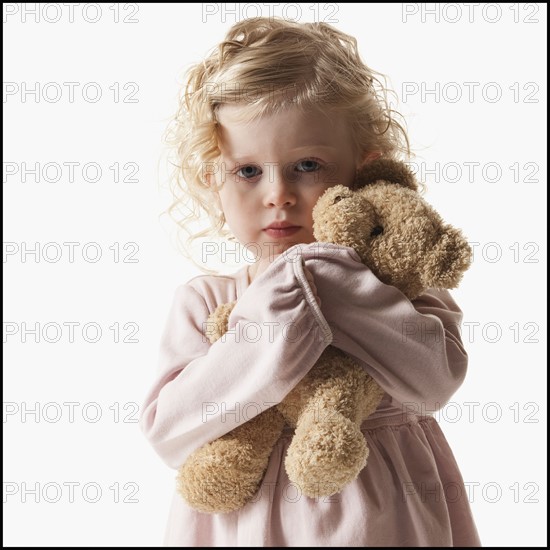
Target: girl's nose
pixel 280 191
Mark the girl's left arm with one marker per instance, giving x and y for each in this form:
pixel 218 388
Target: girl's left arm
pixel 412 348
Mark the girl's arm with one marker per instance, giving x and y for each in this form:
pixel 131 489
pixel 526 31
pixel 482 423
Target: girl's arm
pixel 412 349
pixel 202 391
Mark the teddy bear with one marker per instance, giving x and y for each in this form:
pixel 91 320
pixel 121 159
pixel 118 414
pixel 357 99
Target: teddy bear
pixel 405 243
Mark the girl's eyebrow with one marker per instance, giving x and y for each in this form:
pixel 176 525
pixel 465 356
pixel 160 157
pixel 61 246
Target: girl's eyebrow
pixel 246 158
pixel 318 146
pixel 239 159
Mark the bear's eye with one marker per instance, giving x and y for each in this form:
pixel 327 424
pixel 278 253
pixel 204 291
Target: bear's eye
pixel 377 230
pixel 338 198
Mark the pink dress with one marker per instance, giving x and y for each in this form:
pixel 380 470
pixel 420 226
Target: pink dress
pixel 411 492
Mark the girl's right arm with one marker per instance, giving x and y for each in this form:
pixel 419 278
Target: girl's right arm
pixel 203 391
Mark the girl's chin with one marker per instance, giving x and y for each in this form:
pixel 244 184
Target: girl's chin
pixel 282 246
pixel 287 242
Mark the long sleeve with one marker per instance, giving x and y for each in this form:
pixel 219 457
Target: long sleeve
pixel 202 391
pixel 412 348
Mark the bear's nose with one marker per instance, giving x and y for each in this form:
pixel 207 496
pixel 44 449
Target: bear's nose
pixel 377 230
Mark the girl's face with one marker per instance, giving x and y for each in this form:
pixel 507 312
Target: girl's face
pixel 275 168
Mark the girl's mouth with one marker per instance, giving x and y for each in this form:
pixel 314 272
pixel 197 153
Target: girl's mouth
pixel 280 233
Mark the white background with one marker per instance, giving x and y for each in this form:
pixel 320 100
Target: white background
pixel 498 48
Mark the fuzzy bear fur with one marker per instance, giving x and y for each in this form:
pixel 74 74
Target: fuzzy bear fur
pixel 405 243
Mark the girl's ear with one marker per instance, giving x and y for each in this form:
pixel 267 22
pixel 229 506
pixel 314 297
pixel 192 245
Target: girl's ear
pixel 364 160
pixel 369 157
pixel 387 170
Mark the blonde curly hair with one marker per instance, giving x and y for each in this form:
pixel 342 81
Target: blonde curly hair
pixel 258 63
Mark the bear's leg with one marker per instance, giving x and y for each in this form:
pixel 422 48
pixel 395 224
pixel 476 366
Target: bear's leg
pixel 325 455
pixel 328 449
pixel 225 474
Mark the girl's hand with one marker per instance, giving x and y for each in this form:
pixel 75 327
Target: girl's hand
pixel 309 277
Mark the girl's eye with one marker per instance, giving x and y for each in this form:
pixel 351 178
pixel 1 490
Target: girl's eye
pixel 308 165
pixel 247 172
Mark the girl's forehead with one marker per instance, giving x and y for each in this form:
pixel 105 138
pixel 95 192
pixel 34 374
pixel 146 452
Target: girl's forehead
pixel 245 112
pixel 289 130
pixel 243 115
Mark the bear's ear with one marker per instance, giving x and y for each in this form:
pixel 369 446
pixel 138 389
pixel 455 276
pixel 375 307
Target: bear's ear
pixel 388 170
pixel 449 259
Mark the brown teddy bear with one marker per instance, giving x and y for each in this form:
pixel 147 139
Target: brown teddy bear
pixel 405 243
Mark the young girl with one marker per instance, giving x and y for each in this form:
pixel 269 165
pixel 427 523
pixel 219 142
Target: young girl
pixel 279 113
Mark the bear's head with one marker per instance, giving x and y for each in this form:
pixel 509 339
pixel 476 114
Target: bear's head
pixel 395 232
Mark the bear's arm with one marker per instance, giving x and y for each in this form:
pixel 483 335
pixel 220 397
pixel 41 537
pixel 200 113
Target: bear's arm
pixel 412 349
pixel 202 391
